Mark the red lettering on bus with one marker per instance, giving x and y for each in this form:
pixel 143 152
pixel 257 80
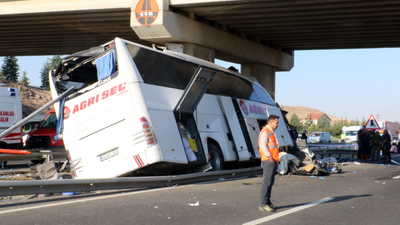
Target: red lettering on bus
pixel 121 87
pixel 83 105
pixel 91 101
pixel 76 109
pixel 113 90
pixel 105 94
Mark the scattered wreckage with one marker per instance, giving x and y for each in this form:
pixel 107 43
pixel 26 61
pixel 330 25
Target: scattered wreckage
pixel 307 163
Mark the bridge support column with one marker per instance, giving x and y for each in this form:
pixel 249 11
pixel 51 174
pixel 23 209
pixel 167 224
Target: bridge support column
pixel 263 73
pixel 199 51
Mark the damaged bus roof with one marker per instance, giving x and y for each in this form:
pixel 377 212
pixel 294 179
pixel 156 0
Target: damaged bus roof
pixel 94 52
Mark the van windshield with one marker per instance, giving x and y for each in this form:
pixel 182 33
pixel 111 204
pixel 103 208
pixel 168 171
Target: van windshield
pixel 315 134
pixel 351 133
pixel 49 122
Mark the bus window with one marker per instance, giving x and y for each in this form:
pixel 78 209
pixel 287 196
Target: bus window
pixel 264 97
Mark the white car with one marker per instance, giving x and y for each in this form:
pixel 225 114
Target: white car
pixel 320 137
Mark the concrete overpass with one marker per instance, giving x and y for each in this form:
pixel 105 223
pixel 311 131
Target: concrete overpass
pixel 259 34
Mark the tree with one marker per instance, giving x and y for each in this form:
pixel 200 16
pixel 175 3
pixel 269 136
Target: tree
pixel 294 120
pixel 10 68
pixel 50 64
pixel 323 123
pixel 24 78
pixel 363 121
pixel 308 122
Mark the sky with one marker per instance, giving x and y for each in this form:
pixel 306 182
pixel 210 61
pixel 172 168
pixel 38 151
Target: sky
pixel 349 84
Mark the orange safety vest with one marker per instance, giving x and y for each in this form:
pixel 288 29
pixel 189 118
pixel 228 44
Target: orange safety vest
pixel 272 145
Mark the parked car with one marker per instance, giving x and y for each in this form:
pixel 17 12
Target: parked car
pixel 44 138
pixel 320 137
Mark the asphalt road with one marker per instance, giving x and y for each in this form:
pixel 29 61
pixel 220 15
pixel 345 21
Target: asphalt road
pixel 364 193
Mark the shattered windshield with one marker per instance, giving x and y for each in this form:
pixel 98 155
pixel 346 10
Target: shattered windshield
pixel 85 68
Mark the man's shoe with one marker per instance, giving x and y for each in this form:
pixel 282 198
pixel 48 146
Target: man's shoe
pixel 273 206
pixel 266 208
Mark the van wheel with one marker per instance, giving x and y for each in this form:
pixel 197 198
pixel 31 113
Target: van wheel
pixel 216 159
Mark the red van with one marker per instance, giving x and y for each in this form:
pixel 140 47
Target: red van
pixel 44 138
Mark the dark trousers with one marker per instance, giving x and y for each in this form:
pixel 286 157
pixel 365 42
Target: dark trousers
pixel 269 171
pixel 386 153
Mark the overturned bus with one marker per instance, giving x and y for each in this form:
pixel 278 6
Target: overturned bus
pixel 138 110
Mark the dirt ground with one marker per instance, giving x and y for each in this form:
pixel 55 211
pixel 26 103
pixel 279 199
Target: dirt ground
pixel 32 98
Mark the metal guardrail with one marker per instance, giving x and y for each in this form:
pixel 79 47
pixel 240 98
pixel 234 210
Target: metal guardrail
pixel 334 149
pixel 10 188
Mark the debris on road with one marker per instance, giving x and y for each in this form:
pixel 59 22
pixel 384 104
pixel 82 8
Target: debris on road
pixel 312 164
pixel 195 204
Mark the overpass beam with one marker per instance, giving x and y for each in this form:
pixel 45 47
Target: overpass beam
pixel 163 26
pixel 263 73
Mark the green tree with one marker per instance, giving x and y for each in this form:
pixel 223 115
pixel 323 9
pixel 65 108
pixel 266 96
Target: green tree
pixel 363 121
pixel 323 123
pixel 50 64
pixel 308 122
pixel 294 120
pixel 10 68
pixel 24 78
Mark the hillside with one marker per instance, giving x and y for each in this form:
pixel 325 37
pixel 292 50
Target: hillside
pixel 32 98
pixel 301 112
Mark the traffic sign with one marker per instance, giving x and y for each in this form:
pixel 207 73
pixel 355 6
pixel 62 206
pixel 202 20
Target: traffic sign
pixel 372 123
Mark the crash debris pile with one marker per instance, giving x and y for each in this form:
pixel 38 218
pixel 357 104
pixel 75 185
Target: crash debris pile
pixel 311 165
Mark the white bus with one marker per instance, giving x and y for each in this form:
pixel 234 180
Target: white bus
pixel 10 114
pixel 123 118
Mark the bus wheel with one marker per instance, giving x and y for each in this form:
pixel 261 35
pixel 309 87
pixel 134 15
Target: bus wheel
pixel 216 159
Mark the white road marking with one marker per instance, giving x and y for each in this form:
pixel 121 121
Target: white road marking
pixel 284 213
pixel 80 200
pixel 397 177
pixel 395 162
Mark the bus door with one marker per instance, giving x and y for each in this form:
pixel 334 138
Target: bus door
pixel 188 103
pixel 238 134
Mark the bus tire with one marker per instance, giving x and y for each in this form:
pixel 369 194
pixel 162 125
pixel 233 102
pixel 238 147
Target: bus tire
pixel 216 160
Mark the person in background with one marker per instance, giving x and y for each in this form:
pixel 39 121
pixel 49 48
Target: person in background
pixel 359 133
pixel 269 151
pixel 386 144
pixel 293 130
pixel 342 137
pixel 303 135
pixel 365 145
pixel 376 141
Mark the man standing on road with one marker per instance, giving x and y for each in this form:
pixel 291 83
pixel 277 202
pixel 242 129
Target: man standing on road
pixel 386 144
pixel 376 141
pixel 342 137
pixel 269 151
pixel 359 133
